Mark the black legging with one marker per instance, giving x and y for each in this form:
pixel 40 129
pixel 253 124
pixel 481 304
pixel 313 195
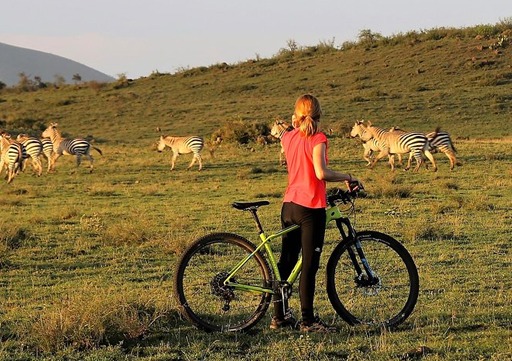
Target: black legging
pixel 309 237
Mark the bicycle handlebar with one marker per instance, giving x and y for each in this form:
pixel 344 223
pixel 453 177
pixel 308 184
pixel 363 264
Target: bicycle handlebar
pixel 345 196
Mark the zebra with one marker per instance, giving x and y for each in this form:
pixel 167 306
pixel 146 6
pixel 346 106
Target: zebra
pixel 439 141
pixel 11 156
pixel 442 142
pixel 62 146
pixel 399 142
pixel 182 145
pixel 34 149
pixel 48 153
pixel 371 145
pixel 277 130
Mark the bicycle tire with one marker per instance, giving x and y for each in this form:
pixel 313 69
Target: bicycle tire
pixel 204 300
pixel 386 304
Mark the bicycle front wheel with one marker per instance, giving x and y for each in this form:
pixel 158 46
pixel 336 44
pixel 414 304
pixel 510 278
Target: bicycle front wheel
pixel 387 299
pixel 199 286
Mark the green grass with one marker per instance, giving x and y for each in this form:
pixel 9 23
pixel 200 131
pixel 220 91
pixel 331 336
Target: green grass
pixel 86 260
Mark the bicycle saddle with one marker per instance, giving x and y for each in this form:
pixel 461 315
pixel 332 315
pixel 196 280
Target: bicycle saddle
pixel 247 205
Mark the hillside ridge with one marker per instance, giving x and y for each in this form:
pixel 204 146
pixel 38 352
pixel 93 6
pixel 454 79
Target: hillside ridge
pixel 456 79
pixel 34 63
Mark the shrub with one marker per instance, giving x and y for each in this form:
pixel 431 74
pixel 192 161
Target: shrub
pixel 241 132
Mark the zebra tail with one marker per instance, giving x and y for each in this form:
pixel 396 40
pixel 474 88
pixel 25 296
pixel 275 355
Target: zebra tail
pixel 453 146
pixel 98 150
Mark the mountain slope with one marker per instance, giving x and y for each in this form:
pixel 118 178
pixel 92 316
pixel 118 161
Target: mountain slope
pixel 457 80
pixel 15 60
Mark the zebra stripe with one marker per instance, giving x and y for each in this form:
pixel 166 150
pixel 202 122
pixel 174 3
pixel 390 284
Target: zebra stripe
pixel 11 157
pixel 48 153
pixel 441 141
pixel 34 149
pixel 374 146
pixel 371 145
pixel 61 146
pixel 399 142
pixel 183 145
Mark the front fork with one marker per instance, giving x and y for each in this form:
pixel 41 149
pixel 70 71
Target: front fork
pixel 365 275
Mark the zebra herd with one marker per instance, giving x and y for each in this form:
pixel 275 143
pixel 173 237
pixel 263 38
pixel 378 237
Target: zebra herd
pixel 392 142
pixel 14 153
pixel 399 142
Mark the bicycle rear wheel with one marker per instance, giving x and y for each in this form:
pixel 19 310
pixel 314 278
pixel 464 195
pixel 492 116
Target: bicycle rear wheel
pixel 201 294
pixel 385 302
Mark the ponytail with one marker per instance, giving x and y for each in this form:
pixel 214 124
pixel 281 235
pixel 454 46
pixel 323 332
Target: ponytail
pixel 307 115
pixel 308 126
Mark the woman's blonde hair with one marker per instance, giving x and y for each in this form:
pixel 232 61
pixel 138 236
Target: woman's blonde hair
pixel 307 114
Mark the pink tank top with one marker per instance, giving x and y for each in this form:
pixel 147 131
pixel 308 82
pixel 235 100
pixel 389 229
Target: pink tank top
pixel 304 188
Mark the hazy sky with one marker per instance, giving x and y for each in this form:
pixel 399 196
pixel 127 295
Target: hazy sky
pixel 137 37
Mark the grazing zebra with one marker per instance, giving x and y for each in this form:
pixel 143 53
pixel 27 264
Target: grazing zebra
pixel 371 145
pixel 182 145
pixel 78 147
pixel 48 153
pixel 441 141
pixel 399 142
pixel 34 149
pixel 277 130
pixel 11 156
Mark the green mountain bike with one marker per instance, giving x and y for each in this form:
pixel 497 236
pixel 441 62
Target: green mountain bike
pixel 224 282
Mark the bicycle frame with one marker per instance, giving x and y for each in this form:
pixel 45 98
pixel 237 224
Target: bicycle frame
pixel 222 272
pixel 332 214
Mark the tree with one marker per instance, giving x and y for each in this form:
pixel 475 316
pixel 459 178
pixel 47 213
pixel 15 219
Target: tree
pixel 39 82
pixel 368 38
pixel 24 84
pixel 77 78
pixel 59 80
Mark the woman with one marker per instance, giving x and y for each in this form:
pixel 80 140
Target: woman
pixel 304 203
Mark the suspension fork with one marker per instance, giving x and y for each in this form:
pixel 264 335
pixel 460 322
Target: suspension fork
pixel 358 253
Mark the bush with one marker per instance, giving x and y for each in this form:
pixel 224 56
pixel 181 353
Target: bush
pixel 241 132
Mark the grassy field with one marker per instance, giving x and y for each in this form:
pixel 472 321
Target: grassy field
pixel 86 260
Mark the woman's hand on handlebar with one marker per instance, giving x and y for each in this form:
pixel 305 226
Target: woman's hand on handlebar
pixel 354 185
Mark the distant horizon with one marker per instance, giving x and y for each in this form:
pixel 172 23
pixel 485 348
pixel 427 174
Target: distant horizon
pixel 137 38
pixel 16 60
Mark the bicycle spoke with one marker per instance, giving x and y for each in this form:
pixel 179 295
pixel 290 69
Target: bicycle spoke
pixel 207 301
pixel 385 302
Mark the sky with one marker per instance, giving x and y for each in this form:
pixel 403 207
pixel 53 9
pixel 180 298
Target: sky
pixel 138 37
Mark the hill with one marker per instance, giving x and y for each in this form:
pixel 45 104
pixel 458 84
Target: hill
pixel 458 79
pixel 15 60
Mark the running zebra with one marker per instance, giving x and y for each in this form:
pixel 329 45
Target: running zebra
pixel 399 142
pixel 11 156
pixel 277 130
pixel 62 146
pixel 34 149
pixel 182 145
pixel 441 141
pixel 371 145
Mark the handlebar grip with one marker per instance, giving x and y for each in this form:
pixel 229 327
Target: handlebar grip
pixel 355 186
